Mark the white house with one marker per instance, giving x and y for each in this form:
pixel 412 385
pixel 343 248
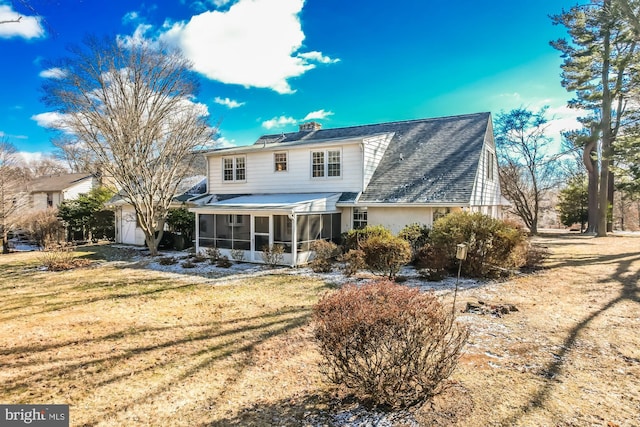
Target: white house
pixel 294 188
pixel 50 191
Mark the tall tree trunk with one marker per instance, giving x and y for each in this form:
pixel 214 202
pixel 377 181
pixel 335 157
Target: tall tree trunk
pixel 605 125
pixel 592 174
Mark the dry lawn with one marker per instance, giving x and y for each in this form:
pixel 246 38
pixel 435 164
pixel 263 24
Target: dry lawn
pixel 128 346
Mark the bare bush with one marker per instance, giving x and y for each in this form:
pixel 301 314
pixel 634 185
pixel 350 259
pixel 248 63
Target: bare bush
pixel 213 254
pixel 325 252
pixel 223 262
pixel 353 262
pixel 389 344
pixel 273 255
pixel 44 227
pixel 60 257
pixel 237 254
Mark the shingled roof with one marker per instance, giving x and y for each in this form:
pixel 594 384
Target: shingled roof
pixel 57 182
pixel 428 161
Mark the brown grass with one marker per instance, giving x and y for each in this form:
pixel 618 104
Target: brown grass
pixel 128 346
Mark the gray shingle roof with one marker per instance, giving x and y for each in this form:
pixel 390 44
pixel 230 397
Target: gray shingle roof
pixel 57 182
pixel 427 161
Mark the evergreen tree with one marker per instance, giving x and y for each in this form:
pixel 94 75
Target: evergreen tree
pixel 599 66
pixel 573 202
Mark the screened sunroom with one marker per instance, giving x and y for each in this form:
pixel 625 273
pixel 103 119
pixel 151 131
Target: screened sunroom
pixel 241 227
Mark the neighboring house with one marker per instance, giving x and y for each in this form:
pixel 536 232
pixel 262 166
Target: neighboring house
pixel 127 229
pixel 294 188
pixel 50 191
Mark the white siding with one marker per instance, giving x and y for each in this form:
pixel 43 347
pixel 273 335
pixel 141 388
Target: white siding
pixel 263 179
pixel 39 200
pixel 485 197
pixel 395 219
pixel 374 149
pixel 82 187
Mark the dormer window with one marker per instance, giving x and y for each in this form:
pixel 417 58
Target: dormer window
pixel 280 162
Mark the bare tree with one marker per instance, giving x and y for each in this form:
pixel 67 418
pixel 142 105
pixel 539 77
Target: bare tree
pixel 527 170
pixel 13 194
pixel 131 104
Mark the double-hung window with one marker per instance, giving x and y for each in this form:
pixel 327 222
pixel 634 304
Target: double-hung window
pixel 326 163
pixel 234 169
pixel 280 162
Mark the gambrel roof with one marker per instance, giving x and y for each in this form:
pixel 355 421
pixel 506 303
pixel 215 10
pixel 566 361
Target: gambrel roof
pixel 427 161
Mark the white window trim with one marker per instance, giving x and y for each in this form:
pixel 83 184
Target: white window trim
pixel 286 162
pixel 326 164
pixel 234 169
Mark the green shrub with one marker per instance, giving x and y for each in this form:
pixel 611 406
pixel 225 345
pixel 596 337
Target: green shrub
pixel 273 255
pixel 417 235
pixel 490 241
pixel 325 252
pixel 353 239
pixel 389 344
pixel 353 262
pixel 386 254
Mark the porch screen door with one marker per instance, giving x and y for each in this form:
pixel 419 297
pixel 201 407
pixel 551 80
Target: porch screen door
pixel 260 234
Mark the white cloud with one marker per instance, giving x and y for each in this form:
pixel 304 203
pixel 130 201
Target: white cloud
pixel 223 142
pixel 563 118
pixel 28 157
pixel 53 73
pixel 279 122
pixel 318 115
pixel 49 120
pixel 318 57
pixel 229 103
pixel 132 16
pixel 254 43
pixel 28 27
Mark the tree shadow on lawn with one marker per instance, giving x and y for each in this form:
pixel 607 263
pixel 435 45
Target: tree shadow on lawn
pixel 630 291
pixel 214 341
pixel 41 303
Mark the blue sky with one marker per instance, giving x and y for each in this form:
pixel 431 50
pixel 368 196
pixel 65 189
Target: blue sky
pixel 267 65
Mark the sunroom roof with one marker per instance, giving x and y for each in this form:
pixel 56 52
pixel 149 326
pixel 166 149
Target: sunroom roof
pixel 289 202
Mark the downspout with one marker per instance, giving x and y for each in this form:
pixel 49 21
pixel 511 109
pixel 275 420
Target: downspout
pixel 198 232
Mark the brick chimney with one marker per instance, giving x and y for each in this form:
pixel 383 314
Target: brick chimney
pixel 310 126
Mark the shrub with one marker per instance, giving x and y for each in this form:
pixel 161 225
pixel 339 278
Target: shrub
pixel 353 262
pixel 417 235
pixel 198 258
pixel 529 255
pixel 60 258
pixel 432 262
pixel 490 241
pixel 273 255
pixel 223 262
pixel 44 227
pixel 167 260
pixel 389 344
pixel 325 251
pixel 188 264
pixel 237 254
pixel 213 254
pixel 353 239
pixel 386 254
